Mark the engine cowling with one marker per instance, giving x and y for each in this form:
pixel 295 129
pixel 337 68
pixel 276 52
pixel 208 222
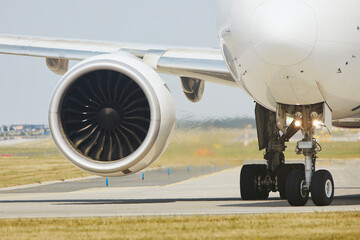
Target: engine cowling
pixel 111 115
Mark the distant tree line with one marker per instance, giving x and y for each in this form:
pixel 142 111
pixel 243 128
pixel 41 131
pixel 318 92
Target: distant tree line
pixel 232 122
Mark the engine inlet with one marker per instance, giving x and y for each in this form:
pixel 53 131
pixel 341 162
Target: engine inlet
pixel 105 115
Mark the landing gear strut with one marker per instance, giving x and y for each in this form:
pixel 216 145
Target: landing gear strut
pixel 294 182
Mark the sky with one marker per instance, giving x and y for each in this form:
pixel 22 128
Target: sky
pixel 26 85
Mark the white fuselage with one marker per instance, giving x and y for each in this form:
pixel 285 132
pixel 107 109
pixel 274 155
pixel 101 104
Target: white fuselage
pixel 296 52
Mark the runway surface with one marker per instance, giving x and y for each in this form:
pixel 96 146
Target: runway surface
pixel 195 191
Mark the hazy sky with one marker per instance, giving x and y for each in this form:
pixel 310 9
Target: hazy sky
pixel 26 84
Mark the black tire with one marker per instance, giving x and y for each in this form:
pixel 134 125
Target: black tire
pixel 248 182
pixel 283 174
pixel 294 193
pixel 261 171
pixel 263 195
pixel 284 171
pixel 322 188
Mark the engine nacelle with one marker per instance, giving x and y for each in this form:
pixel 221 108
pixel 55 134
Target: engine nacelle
pixel 111 115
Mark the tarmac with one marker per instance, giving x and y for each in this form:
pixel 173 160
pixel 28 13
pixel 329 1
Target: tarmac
pixel 167 192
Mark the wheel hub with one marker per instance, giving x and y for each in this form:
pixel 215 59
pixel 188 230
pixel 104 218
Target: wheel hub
pixel 303 190
pixel 328 188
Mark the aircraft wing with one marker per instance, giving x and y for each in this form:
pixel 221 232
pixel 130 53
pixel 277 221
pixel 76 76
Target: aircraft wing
pixel 202 64
pixel 347 123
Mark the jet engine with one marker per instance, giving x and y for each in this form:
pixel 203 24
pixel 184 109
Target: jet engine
pixel 111 115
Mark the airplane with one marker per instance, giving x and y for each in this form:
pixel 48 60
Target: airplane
pixel 112 115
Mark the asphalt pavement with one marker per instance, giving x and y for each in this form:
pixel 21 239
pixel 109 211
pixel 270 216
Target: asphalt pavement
pixel 200 190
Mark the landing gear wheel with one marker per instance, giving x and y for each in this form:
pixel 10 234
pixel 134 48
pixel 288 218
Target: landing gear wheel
pixel 248 182
pixel 284 171
pixel 295 194
pixel 322 188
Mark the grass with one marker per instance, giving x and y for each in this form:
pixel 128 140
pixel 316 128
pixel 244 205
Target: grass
pixel 223 146
pixel 339 225
pixel 34 162
pixel 40 161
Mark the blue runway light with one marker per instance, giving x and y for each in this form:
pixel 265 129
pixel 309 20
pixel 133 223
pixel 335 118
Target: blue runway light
pixel 107 182
pixel 168 171
pixel 143 176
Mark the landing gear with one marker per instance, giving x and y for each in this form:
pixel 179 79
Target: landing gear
pixel 320 184
pixel 294 182
pixel 284 172
pixel 250 182
pixel 322 188
pixel 296 194
pixel 256 181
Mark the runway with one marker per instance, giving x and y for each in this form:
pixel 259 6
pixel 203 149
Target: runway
pixel 182 191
